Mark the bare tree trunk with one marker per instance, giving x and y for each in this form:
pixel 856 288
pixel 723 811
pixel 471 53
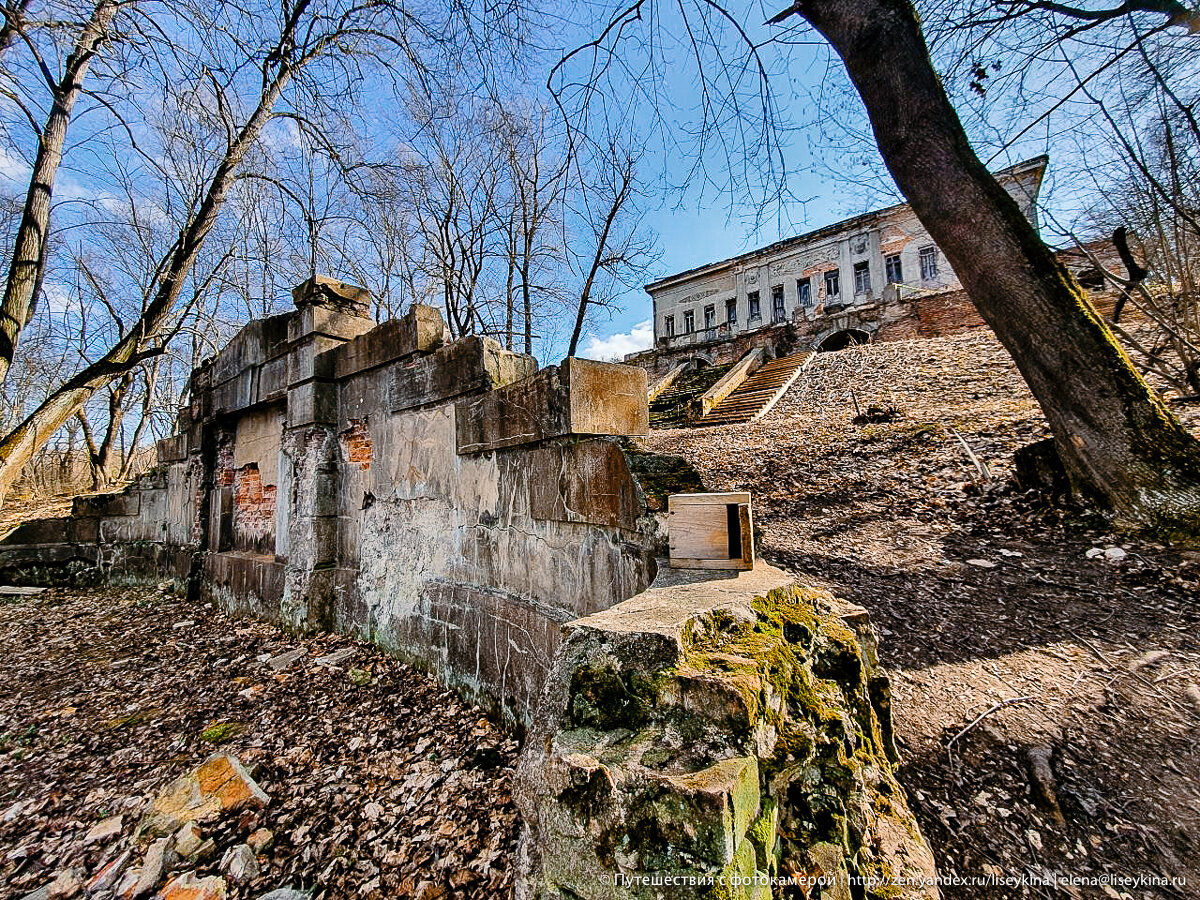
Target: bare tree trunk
pixel 29 250
pixel 1120 444
pixel 18 447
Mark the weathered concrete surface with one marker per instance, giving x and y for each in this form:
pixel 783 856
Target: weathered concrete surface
pixel 578 397
pixel 320 479
pixel 715 735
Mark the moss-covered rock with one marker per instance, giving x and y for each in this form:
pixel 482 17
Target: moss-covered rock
pixel 759 748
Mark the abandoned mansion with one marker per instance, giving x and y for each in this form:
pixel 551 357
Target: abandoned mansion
pixel 877 276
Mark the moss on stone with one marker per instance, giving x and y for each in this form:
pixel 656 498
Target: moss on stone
pixel 221 732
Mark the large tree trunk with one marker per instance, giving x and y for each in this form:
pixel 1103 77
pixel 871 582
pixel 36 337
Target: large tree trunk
pixel 28 263
pixel 1120 445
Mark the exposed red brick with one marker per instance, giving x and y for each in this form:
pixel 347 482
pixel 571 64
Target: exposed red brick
pixel 356 444
pixel 254 504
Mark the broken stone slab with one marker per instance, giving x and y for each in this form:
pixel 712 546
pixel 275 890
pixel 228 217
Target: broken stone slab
pixel 187 839
pixel 106 879
pixel 9 590
pixel 66 884
pixel 189 886
pixel 239 864
pixel 159 859
pixel 286 660
pixel 104 830
pixel 220 785
pixel 577 397
pixel 336 658
pixel 286 893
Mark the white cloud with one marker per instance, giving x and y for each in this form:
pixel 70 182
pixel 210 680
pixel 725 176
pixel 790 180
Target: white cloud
pixel 615 346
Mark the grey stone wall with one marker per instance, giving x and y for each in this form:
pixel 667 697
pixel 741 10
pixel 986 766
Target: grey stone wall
pixel 445 500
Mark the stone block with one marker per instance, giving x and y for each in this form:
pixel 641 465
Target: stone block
pixel 42 531
pixel 467 366
pixel 421 330
pixel 172 449
pixel 272 380
pixel 585 482
pixel 327 321
pixel 309 358
pixel 578 397
pixel 312 403
pixel 321 290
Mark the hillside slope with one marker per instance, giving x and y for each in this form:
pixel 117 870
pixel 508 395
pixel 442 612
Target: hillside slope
pixel 1084 669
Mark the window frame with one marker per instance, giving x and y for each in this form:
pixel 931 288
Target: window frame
pixel 669 325
pixel 731 311
pixel 804 292
pixel 927 256
pixel 862 278
pixel 893 264
pixel 833 279
pixel 689 321
pixel 755 306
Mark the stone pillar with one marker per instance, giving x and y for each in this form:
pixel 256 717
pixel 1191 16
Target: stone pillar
pixel 328 313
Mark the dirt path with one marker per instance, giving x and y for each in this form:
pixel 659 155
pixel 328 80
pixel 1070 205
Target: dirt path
pixel 984 596
pixel 381 784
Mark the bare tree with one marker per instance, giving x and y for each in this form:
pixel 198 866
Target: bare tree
pixel 617 250
pixel 27 264
pixel 307 32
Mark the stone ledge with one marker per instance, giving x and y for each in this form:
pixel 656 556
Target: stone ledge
pixel 421 330
pixel 579 397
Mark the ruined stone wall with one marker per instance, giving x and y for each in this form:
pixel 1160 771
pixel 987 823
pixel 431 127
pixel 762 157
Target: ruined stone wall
pixel 443 499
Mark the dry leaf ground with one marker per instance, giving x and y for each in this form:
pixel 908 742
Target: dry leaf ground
pixel 380 781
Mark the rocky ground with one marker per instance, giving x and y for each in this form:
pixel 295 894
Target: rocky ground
pixel 380 784
pixel 1045 672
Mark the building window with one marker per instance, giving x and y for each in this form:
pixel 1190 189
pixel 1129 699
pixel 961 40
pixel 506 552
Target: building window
pixel 804 291
pixel 862 277
pixel 833 286
pixel 669 325
pixel 929 263
pixel 895 272
pixel 710 318
pixel 689 322
pixel 778 312
pixel 755 310
pixel 731 310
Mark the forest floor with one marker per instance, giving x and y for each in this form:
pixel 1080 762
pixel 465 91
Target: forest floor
pixel 381 784
pixel 1008 634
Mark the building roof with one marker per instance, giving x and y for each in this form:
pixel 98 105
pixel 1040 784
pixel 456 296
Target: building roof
pixel 1037 164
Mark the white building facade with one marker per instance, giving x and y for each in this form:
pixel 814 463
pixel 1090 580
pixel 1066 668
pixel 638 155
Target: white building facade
pixel 821 273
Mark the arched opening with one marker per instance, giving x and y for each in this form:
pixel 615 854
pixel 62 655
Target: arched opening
pixel 840 340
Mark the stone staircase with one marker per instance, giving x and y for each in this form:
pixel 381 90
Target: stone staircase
pixel 673 407
pixel 759 393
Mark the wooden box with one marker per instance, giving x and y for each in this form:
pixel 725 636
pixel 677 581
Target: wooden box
pixel 711 531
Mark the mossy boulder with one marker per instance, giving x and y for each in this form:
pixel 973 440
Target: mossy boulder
pixel 717 736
